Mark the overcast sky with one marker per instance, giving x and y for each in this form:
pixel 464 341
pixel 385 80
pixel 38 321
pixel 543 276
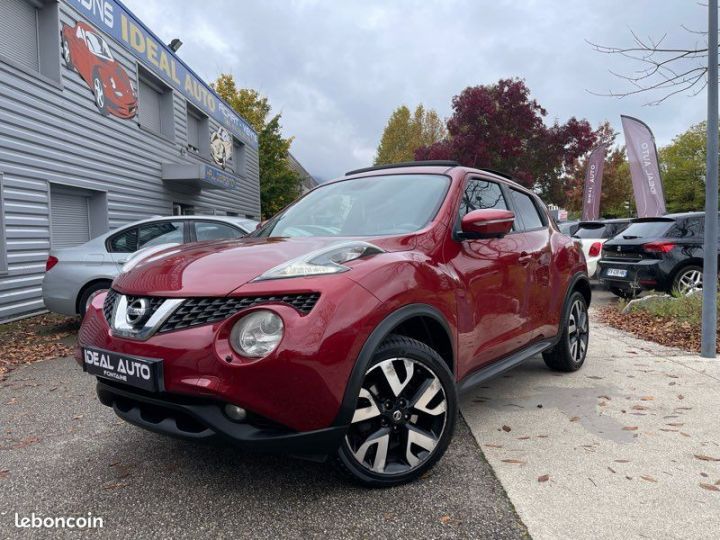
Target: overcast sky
pixel 337 69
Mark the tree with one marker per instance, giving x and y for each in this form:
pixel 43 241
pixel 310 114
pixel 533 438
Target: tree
pixel 683 166
pixel 404 133
pixel 616 195
pixel 501 127
pixel 279 183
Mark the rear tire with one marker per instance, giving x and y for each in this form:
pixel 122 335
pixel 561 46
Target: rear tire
pixel 405 416
pixel 570 352
pixel 687 280
pixel 88 294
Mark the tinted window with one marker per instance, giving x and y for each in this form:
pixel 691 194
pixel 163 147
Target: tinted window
pixel 526 213
pixel 206 230
pixel 375 205
pixel 688 228
pixel 125 242
pixel 481 195
pixel 162 232
pixel 648 229
pixel 591 232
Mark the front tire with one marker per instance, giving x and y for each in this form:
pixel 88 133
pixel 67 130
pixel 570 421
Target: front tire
pixel 569 353
pixel 99 94
pixel 405 415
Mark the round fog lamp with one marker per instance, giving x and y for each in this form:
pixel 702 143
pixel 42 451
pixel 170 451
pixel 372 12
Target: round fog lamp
pixel 257 334
pixel 235 413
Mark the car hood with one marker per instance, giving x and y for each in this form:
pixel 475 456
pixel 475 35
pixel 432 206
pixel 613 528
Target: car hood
pixel 218 268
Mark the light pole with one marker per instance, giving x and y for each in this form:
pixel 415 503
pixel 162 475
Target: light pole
pixel 709 306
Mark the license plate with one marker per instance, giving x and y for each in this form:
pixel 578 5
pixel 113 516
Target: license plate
pixel 616 272
pixel 145 373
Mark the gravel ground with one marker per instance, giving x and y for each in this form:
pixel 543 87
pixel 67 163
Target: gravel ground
pixel 64 454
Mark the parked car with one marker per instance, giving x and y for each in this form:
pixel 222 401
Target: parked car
pixel 74 275
pixel 592 236
pixel 568 227
pixel 660 253
pixel 86 51
pixel 351 337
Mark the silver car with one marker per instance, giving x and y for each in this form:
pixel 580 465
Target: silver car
pixel 74 275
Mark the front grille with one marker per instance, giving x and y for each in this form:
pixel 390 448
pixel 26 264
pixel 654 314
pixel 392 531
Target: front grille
pixel 112 297
pixel 197 311
pixel 109 304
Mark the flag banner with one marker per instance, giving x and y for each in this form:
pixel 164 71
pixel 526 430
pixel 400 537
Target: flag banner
pixel 593 183
pixel 644 167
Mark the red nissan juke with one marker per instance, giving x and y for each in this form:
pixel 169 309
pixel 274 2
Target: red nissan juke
pixel 349 323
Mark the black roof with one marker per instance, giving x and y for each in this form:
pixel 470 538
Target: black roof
pixel 678 215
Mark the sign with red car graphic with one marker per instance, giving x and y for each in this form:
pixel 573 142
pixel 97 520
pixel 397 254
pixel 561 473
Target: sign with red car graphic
pixel 86 52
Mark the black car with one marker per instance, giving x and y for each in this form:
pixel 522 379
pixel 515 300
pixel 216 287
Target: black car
pixel 662 253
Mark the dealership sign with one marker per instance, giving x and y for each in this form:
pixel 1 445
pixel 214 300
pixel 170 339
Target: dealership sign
pixel 117 21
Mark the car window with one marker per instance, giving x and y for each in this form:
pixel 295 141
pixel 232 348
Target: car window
pixel 687 228
pixel 595 231
pixel 527 216
pixel 207 230
pixel 124 242
pixel 656 228
pixel 161 232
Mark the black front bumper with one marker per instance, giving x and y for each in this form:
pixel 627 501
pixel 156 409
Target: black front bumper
pixel 644 274
pixel 191 418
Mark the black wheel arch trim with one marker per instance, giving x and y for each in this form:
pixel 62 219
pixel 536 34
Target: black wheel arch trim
pixel 377 336
pixel 572 287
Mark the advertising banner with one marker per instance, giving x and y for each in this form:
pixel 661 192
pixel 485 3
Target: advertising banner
pixel 593 183
pixel 644 167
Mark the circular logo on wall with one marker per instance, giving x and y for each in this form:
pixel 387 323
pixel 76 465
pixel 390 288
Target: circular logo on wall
pixel 221 147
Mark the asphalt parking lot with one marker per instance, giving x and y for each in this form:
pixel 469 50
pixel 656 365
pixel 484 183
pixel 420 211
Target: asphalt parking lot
pixel 63 454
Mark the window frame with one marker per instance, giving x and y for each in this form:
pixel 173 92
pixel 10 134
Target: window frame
pixel 457 228
pixel 47 27
pixel 166 103
pixel 203 133
pixel 136 228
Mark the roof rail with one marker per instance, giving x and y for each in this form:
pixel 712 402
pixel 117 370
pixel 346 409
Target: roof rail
pixel 498 173
pixel 429 163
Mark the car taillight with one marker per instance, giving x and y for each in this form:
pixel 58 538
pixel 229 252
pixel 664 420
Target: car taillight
pixel 51 261
pixel 595 249
pixel 658 247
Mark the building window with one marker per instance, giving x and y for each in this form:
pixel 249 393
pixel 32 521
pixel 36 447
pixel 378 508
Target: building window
pixel 3 236
pixel 29 36
pixel 238 157
pixel 155 109
pixel 180 209
pixel 198 131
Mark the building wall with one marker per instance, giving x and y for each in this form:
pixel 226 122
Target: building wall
pixel 51 133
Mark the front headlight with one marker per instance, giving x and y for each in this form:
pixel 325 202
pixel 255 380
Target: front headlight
pixel 257 334
pixel 328 260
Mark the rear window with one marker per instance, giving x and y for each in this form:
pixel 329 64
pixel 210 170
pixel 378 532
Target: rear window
pixel 648 229
pixel 590 232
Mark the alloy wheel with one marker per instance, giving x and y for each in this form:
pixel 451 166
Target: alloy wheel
pixel 99 93
pixel 578 331
pixel 689 281
pixel 400 417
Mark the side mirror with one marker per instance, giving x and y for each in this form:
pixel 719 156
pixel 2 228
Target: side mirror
pixel 488 223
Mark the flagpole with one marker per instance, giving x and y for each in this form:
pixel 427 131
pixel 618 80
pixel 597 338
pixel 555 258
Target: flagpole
pixel 709 306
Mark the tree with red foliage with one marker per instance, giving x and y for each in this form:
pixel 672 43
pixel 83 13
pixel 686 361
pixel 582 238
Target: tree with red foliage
pixel 499 126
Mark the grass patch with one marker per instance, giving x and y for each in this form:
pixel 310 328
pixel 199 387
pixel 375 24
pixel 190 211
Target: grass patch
pixel 681 308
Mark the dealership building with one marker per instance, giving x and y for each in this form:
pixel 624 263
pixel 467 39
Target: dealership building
pixel 102 124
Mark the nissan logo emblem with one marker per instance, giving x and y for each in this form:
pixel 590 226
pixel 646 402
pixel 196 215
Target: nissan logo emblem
pixel 137 311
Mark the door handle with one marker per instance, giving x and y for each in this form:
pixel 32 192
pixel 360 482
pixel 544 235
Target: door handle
pixel 524 258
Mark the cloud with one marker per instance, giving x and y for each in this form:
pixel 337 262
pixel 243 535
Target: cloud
pixel 336 70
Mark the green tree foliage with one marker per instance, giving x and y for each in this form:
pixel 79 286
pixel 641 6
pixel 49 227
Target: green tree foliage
pixel 279 183
pixel 406 132
pixel 682 165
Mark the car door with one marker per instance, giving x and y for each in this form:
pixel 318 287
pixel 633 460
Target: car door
pixel 533 239
pixel 214 230
pixel 490 297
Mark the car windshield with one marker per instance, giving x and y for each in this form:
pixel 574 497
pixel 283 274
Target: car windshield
pixel 97 46
pixel 647 229
pixel 372 206
pixel 597 231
